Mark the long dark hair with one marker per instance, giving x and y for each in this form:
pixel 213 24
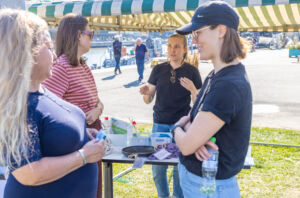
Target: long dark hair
pixel 67 35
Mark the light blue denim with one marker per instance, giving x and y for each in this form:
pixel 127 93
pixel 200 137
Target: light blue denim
pixel 117 58
pixel 160 171
pixel 140 68
pixel 191 183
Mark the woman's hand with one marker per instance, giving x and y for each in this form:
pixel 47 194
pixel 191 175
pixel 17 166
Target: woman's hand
pixel 94 150
pixel 92 133
pixel 93 115
pixel 203 154
pixel 148 92
pixel 188 84
pixel 145 90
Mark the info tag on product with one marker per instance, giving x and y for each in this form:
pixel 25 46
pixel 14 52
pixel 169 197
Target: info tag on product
pixel 139 162
pixel 162 154
pixel 101 135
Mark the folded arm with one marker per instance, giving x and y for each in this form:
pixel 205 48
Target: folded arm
pixel 204 126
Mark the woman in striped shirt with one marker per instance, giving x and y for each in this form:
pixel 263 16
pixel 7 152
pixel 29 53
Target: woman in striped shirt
pixel 71 78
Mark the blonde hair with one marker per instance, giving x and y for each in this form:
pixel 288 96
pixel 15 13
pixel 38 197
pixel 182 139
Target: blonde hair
pixel 193 59
pixel 20 38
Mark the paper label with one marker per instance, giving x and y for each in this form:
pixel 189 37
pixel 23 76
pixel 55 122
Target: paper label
pixel 139 162
pixel 101 135
pixel 162 154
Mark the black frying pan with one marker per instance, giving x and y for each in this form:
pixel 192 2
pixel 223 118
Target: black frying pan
pixel 141 151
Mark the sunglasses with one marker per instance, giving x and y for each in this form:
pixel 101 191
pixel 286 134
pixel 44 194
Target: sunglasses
pixel 173 76
pixel 196 33
pixel 89 33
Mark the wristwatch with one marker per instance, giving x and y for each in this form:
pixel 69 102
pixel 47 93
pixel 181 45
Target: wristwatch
pixel 173 129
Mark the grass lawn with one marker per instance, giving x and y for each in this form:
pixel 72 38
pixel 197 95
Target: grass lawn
pixel 276 173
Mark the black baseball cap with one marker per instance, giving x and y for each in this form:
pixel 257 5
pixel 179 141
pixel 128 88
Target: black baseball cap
pixel 211 13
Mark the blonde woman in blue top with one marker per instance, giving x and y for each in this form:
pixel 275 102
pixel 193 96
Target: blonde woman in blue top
pixel 43 138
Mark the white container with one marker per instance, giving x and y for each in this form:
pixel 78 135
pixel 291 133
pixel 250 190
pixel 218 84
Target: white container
pixel 107 125
pixel 140 139
pixel 160 138
pixel 118 140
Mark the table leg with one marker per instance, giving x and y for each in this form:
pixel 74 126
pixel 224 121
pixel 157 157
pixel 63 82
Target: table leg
pixel 108 180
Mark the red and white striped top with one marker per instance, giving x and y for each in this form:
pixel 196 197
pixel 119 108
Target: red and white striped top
pixel 73 84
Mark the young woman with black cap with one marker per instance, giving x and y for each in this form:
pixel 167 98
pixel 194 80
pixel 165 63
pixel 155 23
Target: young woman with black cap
pixel 223 107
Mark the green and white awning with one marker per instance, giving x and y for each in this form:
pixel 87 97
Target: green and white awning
pixel 164 15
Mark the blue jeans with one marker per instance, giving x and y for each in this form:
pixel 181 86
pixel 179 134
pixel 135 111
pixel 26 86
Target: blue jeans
pixel 140 68
pixel 190 183
pixel 160 171
pixel 117 58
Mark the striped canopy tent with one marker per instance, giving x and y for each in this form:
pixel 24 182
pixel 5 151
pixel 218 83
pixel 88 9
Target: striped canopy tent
pixel 166 15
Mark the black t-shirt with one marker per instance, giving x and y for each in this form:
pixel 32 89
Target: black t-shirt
pixel 172 100
pixel 230 98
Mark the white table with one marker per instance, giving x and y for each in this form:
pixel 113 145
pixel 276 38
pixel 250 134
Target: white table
pixel 116 156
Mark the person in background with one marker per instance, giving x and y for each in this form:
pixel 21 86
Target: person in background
pixel 172 102
pixel 140 52
pixel 43 138
pixel 117 46
pixel 72 80
pixel 223 107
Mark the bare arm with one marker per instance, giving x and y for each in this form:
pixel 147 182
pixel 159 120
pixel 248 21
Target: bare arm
pixel 205 123
pixel 194 95
pixel 148 92
pixel 100 105
pixel 49 169
pixel 94 114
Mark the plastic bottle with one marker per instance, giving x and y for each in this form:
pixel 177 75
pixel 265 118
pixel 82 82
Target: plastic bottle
pixel 209 171
pixel 131 133
pixel 107 124
pixel 134 129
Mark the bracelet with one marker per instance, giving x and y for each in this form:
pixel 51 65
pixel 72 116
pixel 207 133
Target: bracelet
pixel 82 156
pixel 173 129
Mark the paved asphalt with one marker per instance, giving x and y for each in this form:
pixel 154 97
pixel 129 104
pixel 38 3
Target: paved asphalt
pixel 274 77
